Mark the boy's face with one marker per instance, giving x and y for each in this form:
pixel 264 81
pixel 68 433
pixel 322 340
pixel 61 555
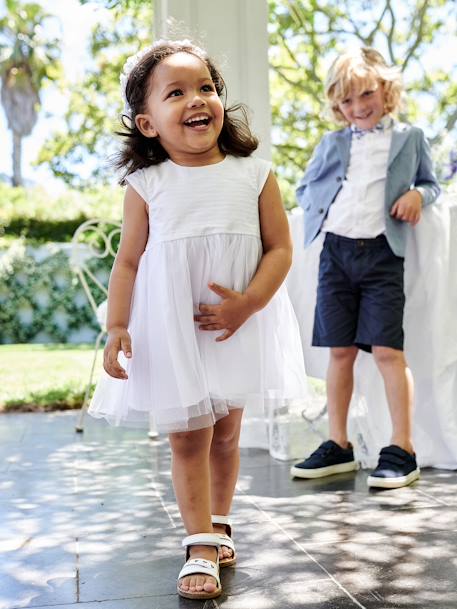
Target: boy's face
pixel 364 107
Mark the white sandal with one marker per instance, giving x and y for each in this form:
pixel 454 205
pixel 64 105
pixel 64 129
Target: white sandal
pixel 225 539
pixel 200 566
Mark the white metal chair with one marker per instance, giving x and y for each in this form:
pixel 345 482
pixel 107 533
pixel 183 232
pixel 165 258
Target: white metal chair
pixel 95 240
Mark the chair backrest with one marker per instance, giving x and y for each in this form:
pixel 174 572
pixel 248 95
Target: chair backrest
pixel 94 240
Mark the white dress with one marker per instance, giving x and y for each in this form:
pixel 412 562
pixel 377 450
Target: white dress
pixel 203 227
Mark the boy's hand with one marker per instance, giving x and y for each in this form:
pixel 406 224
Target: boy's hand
pixel 118 340
pixel 408 207
pixel 228 315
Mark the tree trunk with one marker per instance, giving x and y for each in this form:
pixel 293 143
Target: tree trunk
pixel 17 149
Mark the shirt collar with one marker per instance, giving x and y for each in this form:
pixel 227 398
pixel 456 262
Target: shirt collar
pixel 384 124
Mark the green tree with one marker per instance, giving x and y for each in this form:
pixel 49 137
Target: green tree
pixel 27 60
pixel 94 108
pixel 306 35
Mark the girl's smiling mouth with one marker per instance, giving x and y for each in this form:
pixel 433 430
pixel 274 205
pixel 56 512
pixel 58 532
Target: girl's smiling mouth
pixel 198 121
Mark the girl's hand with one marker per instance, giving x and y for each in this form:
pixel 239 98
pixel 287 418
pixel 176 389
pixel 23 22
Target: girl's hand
pixel 408 207
pixel 118 340
pixel 228 315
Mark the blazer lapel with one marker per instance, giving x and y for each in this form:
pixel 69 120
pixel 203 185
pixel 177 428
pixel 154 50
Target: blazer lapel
pixel 343 143
pixel 399 136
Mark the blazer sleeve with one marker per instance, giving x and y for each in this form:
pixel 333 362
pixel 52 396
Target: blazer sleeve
pixel 426 182
pixel 312 171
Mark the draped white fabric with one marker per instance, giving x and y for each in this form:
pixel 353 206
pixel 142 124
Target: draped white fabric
pixel 430 339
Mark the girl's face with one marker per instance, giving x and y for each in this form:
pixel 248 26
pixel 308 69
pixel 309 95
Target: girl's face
pixel 184 111
pixel 364 106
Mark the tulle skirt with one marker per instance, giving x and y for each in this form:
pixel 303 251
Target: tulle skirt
pixel 179 374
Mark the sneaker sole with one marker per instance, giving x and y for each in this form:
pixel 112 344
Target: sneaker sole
pixel 377 482
pixel 321 472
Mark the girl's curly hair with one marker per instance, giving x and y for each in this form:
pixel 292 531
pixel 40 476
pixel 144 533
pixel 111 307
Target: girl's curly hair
pixel 139 151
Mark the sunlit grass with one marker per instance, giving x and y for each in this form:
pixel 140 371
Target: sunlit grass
pixel 44 377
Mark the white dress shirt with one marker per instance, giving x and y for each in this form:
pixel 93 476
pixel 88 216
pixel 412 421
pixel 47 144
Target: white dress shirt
pixel 358 209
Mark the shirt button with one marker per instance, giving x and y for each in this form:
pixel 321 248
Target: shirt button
pixel 321 211
pixel 339 178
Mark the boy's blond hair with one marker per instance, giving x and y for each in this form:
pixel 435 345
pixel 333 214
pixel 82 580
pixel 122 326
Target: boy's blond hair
pixel 363 69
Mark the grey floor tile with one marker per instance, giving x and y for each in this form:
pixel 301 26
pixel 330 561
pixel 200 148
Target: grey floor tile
pixel 90 521
pixel 290 594
pixel 40 571
pixel 407 569
pixel 149 564
pixel 171 601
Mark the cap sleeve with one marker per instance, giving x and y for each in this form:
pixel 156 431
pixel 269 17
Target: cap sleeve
pixel 262 170
pixel 139 180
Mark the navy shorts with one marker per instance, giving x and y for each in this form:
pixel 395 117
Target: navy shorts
pixel 360 295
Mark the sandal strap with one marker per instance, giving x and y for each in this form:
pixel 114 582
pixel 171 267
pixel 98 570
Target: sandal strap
pixel 201 539
pixel 200 566
pixel 226 541
pixel 219 519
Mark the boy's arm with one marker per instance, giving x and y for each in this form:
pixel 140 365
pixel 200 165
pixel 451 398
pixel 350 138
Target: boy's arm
pixel 312 170
pixel 426 182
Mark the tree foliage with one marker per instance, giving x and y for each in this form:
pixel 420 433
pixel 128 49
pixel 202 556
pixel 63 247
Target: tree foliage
pixel 27 60
pixel 305 36
pixel 94 107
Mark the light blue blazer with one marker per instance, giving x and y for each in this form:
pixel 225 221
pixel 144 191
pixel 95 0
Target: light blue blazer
pixel 409 166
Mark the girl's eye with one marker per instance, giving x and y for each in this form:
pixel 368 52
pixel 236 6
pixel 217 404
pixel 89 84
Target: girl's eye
pixel 207 88
pixel 175 93
pixel 367 93
pixel 345 102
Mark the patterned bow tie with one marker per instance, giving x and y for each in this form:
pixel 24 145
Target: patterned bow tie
pixel 361 132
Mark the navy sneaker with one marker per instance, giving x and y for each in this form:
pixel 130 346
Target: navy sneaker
pixel 326 460
pixel 395 468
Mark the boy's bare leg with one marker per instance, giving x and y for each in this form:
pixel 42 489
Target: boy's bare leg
pixel 191 480
pixel 225 464
pixel 340 383
pixel 399 386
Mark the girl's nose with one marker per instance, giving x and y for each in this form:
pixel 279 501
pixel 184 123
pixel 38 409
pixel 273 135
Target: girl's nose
pixel 196 102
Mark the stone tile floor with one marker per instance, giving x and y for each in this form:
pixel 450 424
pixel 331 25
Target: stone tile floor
pixel 90 521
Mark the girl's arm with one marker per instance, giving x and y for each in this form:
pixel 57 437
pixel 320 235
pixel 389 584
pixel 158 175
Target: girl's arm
pixel 277 247
pixel 133 241
pixel 235 307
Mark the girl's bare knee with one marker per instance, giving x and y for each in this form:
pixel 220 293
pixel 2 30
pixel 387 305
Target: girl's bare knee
pixel 189 443
pixel 224 444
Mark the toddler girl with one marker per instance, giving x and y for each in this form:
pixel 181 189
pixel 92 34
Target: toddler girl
pixel 197 312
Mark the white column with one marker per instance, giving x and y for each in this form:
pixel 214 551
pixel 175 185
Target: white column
pixel 234 33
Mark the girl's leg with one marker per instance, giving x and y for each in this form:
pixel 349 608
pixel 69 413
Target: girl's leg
pixel 191 481
pixel 225 464
pixel 340 383
pixel 398 382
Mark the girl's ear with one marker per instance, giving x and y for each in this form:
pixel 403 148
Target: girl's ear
pixel 145 126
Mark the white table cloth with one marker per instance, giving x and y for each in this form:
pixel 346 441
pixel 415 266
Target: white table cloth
pixel 430 324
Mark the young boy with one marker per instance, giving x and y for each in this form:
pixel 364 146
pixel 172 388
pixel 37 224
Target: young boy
pixel 364 184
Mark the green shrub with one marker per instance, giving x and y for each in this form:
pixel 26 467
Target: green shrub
pixel 33 214
pixel 43 301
